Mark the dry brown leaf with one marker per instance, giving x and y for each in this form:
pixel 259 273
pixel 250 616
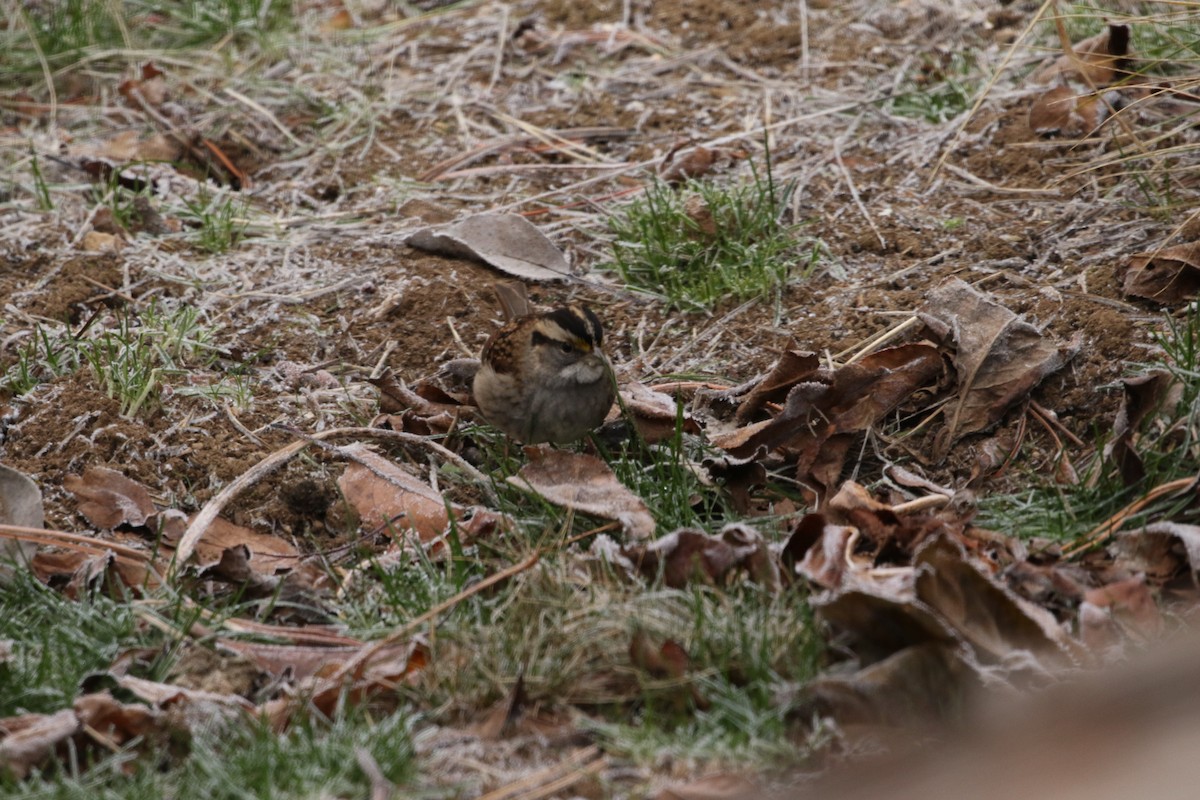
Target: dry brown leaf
pixel 265 552
pixel 883 624
pixel 1119 610
pixel 995 622
pixel 695 163
pixel 1098 60
pixel 738 477
pixel 95 721
pixel 682 556
pixel 999 358
pixel 793 367
pixel 827 563
pixel 104 573
pixel 386 495
pixel 108 499
pixel 508 242
pixel 150 87
pixel 654 413
pixel 922 683
pixel 1144 395
pixel 824 412
pixel 500 720
pixel 304 661
pixel 1061 111
pixel 163 695
pixel 31 739
pixel 582 482
pixel 1170 275
pixel 127 147
pixel 698 211
pixel 669 660
pixel 328 691
pixel 686 555
pixel 97 242
pixel 1163 551
pixel 340 21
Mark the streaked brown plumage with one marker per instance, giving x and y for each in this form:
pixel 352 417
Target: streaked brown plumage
pixel 544 376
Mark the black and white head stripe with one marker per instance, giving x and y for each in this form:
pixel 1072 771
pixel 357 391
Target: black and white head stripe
pixel 580 322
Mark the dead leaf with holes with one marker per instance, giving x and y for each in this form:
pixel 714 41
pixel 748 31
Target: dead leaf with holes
pixel 998 358
pixel 508 242
pixel 1169 275
pixel 582 482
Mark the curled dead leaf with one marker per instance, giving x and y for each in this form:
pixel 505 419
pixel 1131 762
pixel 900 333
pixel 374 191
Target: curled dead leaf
pixel 108 499
pixel 1162 550
pixel 983 612
pixel 686 555
pixel 1168 275
pixel 1144 395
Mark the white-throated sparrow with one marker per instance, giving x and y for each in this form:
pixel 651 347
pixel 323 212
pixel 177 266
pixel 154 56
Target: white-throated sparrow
pixel 543 376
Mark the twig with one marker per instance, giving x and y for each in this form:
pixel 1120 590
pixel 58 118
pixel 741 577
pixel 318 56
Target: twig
pixel 202 521
pixel 501 39
pixel 922 503
pixel 237 423
pixel 74 541
pixel 241 98
pixel 991 187
pixel 1052 418
pixel 1102 532
pixel 837 156
pixel 535 785
pixel 409 628
pixel 878 340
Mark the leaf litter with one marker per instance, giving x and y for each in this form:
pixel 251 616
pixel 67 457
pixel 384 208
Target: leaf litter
pixel 924 607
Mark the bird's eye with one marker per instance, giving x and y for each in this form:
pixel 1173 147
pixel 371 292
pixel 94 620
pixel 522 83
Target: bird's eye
pixel 565 347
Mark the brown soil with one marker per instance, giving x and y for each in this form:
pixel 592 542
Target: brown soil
pixel 305 309
pixel 1022 231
